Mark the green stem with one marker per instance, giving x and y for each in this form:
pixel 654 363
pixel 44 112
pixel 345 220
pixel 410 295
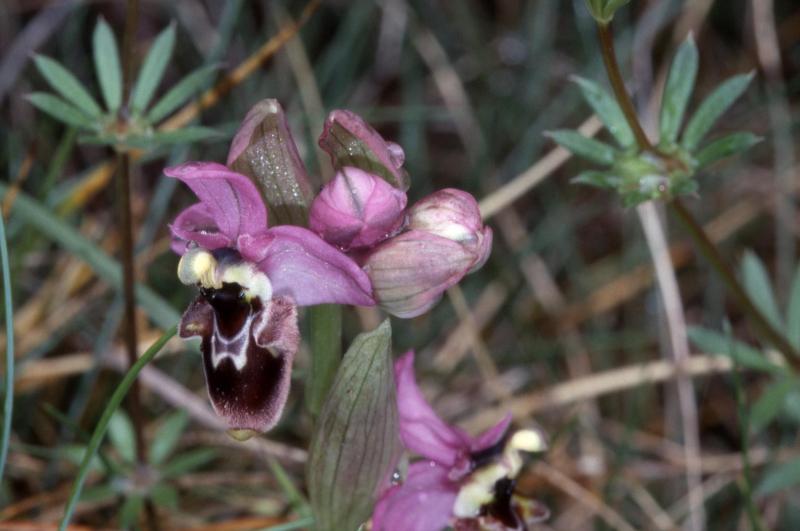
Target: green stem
pixel 102 425
pixel 326 353
pixel 712 254
pixel 618 85
pixel 707 248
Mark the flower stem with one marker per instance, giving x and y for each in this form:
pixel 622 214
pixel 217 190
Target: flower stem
pixel 712 254
pixel 618 85
pixel 763 327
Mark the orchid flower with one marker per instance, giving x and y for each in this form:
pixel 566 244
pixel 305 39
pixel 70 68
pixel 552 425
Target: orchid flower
pixel 410 255
pixel 251 278
pixel 462 481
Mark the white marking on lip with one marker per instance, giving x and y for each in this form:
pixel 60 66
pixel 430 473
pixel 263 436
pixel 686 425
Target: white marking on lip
pixel 234 348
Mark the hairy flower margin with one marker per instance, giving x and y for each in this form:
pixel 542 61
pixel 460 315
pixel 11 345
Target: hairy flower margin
pixel 363 247
pixel 461 481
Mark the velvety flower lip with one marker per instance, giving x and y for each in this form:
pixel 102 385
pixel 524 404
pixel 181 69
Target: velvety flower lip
pixel 231 214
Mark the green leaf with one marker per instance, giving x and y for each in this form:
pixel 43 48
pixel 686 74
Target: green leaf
pixel 187 135
pixel 129 513
pixel 356 441
pixel 678 90
pixel 188 461
pixel 603 10
pixel 105 419
pixel 793 312
pixel 67 85
pixel 281 176
pixel 607 109
pixel 164 495
pixel 8 310
pixel 582 146
pixel 758 287
pixel 779 477
pixel 770 403
pixel 106 64
pixel 725 147
pixel 712 108
pixel 152 69
pixel 74 453
pixel 326 353
pixel 31 211
pixel 600 179
pixel 167 436
pixel 713 342
pixel 59 109
pixel 182 91
pixel 120 431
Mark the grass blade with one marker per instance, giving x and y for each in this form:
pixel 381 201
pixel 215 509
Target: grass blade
pixel 793 312
pixel 67 85
pixel 102 425
pixel 106 64
pixel 153 69
pixel 33 212
pixel 678 90
pixel 8 399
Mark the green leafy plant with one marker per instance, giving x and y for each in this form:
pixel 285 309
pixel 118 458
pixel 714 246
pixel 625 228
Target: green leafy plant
pixel 670 168
pixel 123 124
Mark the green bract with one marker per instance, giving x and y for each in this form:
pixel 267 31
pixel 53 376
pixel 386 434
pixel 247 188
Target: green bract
pixel 134 128
pixel 669 170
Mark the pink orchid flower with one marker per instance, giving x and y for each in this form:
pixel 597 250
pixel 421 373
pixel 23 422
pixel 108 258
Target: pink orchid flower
pixel 461 481
pixel 251 279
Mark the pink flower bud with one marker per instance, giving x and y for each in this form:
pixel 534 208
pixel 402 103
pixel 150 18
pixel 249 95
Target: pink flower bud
pixel 454 215
pixel 357 209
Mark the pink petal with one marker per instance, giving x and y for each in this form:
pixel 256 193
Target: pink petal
pixel 357 209
pixel 302 266
pixel 424 502
pixel 350 141
pixel 421 429
pixel 196 224
pixel 491 436
pixel 232 200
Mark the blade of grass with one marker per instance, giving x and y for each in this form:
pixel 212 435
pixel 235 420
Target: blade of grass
pixel 102 425
pixel 33 212
pixel 8 400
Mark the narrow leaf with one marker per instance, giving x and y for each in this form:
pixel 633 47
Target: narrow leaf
pixel 187 462
pixel 779 477
pixel 600 179
pixel 106 64
pixel 129 513
pixel 153 69
pixel 607 109
pixel 120 431
pixel 582 146
pixel 105 419
pixel 713 342
pixel 182 91
pixel 793 312
pixel 770 403
pixel 263 149
pixel 8 388
pixel 758 286
pixel 59 109
pixel 67 85
pixel 678 90
pixel 167 437
pixel 712 108
pixel 356 441
pixel 725 147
